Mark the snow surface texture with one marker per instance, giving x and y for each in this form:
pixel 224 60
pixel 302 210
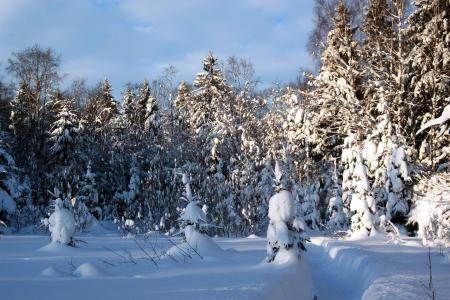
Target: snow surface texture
pixel 371 268
pixel 94 271
pixel 364 269
pixel 197 245
pixel 61 224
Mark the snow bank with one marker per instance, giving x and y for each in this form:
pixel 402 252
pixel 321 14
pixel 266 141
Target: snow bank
pixel 88 270
pixel 253 236
pixel 196 245
pixel 373 269
pixel 54 273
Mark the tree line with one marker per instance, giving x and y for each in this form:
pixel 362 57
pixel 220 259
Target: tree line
pixel 345 136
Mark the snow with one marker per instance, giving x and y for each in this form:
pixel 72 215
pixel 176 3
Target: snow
pixel 281 207
pixel 54 273
pixel 193 213
pixel 443 118
pixel 61 224
pixel 89 270
pixel 369 268
pixel 196 245
pixel 94 271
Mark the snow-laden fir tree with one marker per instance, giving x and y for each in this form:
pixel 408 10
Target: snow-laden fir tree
pixel 23 123
pixel 309 193
pixel 336 107
pixel 429 32
pixel 431 209
pixel 336 218
pixel 210 113
pixel 128 204
pixel 102 107
pixel 64 131
pixel 128 104
pixel 9 184
pixel 193 224
pixel 61 224
pixel 86 203
pixel 88 193
pixel 143 99
pixel 152 118
pixel 383 59
pixel 285 239
pixel 386 157
pixel 356 190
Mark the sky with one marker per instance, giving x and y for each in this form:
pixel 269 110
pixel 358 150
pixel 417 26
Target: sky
pixel 133 40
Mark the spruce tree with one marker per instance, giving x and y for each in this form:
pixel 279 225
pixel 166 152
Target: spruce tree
pixel 429 33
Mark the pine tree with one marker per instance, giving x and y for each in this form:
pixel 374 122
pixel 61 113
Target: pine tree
pixel 210 113
pixel 102 107
pixel 151 120
pixel 335 97
pixel 356 189
pixel 10 189
pixel 24 121
pixel 64 131
pixel 143 101
pixel 285 239
pixel 429 32
pixel 88 193
pixel 128 104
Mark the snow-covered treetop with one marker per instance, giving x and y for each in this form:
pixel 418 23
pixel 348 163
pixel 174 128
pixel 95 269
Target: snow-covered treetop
pixel 281 207
pixel 193 214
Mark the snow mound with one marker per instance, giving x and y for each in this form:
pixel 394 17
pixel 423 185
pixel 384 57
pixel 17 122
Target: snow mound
pixel 88 270
pixel 285 257
pixel 281 207
pixel 55 247
pixel 196 245
pixel 253 236
pixel 52 272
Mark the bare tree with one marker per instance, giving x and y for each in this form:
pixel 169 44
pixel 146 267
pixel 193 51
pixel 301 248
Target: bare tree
pixel 38 68
pixel 240 74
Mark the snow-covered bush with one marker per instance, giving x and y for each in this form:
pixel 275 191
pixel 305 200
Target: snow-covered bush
pixel 431 210
pixel 357 189
pixel 285 238
pixel 61 224
pixel 88 193
pixel 192 222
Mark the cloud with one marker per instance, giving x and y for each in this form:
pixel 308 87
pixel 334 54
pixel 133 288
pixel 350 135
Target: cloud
pixel 134 39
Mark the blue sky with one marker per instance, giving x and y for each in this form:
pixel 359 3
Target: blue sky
pixel 131 40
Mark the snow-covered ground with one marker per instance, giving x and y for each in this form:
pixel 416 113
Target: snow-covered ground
pixel 112 267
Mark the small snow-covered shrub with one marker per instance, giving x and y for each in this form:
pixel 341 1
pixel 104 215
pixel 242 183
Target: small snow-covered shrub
pixel 285 231
pixel 192 220
pixel 61 224
pixel 431 210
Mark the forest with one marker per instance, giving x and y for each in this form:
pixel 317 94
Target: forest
pixel 362 141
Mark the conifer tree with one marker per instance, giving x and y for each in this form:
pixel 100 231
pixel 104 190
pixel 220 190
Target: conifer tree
pixel 429 33
pixel 335 96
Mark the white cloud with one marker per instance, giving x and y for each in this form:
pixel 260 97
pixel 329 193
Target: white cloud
pixel 134 39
